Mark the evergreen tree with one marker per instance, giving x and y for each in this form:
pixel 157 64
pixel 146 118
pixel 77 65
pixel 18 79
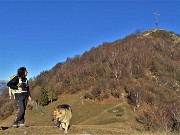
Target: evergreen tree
pixel 43 97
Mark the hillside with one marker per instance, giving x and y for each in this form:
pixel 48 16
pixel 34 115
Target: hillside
pixel 142 70
pixel 89 117
pixel 152 55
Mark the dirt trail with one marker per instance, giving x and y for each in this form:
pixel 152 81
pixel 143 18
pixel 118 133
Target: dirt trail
pixel 77 130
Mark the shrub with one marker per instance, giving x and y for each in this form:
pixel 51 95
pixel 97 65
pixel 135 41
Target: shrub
pixel 162 118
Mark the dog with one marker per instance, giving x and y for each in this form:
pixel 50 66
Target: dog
pixel 62 116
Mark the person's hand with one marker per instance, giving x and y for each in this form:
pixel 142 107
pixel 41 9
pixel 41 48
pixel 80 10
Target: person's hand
pixel 29 98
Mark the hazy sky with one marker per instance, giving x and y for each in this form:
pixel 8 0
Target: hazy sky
pixel 38 34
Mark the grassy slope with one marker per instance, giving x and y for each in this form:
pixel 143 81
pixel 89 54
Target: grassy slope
pixel 89 117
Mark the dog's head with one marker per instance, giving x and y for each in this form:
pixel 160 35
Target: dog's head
pixel 59 114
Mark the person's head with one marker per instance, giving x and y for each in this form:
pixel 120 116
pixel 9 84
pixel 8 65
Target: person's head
pixel 22 72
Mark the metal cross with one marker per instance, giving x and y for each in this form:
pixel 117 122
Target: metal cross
pixel 156 14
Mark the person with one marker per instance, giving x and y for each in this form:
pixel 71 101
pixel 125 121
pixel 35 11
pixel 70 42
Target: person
pixel 22 94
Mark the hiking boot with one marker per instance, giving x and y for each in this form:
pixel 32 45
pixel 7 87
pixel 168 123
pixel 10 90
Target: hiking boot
pixel 23 125
pixel 15 126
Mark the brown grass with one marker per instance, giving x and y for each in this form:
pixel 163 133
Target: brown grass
pixel 89 117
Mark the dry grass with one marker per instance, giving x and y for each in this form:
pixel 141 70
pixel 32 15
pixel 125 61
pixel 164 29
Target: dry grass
pixel 89 117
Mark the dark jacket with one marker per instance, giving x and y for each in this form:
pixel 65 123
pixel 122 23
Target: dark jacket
pixel 13 84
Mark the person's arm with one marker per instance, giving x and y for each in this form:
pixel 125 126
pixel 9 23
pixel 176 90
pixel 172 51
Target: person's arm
pixel 13 83
pixel 29 95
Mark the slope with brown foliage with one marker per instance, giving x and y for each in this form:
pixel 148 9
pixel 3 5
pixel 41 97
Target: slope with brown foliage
pixel 144 68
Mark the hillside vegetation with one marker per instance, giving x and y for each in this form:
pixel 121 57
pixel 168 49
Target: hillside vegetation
pixel 89 117
pixel 142 69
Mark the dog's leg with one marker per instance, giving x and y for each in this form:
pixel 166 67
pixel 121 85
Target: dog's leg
pixel 66 127
pixel 63 125
pixel 59 125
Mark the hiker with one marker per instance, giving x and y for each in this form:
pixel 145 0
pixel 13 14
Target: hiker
pixel 22 94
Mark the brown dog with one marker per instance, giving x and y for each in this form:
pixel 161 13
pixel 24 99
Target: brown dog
pixel 62 116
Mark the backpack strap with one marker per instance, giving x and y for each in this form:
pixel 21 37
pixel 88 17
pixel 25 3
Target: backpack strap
pixel 20 82
pixel 10 93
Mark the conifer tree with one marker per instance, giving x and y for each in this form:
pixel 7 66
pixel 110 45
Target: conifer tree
pixel 43 97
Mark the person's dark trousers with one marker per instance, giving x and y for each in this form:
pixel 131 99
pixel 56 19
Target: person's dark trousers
pixel 21 102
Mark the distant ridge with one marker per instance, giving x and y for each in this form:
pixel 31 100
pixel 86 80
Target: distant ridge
pixel 3 85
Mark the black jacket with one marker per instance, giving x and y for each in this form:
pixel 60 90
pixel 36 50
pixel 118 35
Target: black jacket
pixel 13 84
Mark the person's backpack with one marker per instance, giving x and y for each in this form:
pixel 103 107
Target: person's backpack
pixel 12 91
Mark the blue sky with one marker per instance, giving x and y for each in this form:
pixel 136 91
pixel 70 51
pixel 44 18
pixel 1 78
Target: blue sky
pixel 38 34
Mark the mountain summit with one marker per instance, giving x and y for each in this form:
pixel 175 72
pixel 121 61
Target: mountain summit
pixel 142 70
pixel 149 60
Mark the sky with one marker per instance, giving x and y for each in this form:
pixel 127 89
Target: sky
pixel 38 34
